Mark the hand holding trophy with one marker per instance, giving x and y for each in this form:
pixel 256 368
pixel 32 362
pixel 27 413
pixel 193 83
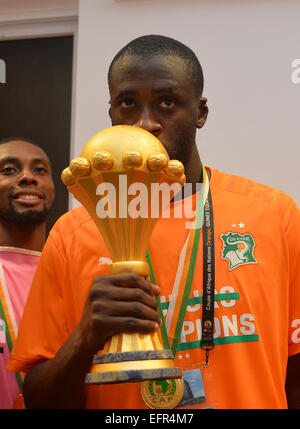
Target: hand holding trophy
pixel 118 163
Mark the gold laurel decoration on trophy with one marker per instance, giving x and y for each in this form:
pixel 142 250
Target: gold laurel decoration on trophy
pixel 123 156
pixel 80 167
pixel 102 161
pixel 132 159
pixel 67 177
pixel 157 162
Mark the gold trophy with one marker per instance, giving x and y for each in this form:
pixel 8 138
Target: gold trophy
pixel 118 163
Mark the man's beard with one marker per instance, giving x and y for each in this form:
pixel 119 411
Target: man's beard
pixel 182 150
pixel 29 218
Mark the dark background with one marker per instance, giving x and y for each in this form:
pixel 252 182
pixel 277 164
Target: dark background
pixel 35 102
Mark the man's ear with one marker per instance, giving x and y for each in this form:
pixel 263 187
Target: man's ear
pixel 202 112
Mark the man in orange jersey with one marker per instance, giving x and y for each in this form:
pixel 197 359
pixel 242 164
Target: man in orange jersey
pixel 242 308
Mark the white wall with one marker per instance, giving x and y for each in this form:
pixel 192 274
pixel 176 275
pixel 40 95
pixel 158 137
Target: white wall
pixel 246 49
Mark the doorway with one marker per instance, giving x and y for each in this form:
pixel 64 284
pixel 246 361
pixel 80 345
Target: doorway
pixel 35 101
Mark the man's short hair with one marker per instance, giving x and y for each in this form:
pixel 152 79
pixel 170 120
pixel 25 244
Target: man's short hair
pixel 22 139
pixel 152 44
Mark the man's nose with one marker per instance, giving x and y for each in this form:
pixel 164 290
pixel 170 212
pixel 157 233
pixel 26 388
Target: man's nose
pixel 27 177
pixel 148 122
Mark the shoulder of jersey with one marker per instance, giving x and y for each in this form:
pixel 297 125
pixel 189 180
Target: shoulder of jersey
pixel 72 220
pixel 249 188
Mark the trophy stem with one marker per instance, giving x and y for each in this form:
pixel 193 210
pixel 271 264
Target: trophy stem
pixel 139 267
pixel 132 342
pixel 132 357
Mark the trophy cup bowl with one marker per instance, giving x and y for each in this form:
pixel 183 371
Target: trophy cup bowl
pixel 127 159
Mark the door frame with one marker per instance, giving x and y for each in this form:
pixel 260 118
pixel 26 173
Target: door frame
pixel 42 24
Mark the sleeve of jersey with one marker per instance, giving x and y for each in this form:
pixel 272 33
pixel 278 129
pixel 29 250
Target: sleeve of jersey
pixel 293 232
pixel 43 328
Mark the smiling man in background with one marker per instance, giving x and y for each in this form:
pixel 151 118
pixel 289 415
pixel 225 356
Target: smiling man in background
pixel 26 196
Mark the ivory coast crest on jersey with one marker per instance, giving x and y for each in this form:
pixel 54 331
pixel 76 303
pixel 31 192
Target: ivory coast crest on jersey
pixel 238 249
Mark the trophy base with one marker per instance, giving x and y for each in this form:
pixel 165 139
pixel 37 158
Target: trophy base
pixel 133 366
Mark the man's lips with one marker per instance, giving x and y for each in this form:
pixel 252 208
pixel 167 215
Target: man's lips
pixel 29 198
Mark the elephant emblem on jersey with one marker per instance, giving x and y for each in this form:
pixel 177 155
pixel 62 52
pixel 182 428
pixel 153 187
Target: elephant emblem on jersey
pixel 238 249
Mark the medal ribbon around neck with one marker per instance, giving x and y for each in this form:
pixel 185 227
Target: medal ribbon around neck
pixel 171 328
